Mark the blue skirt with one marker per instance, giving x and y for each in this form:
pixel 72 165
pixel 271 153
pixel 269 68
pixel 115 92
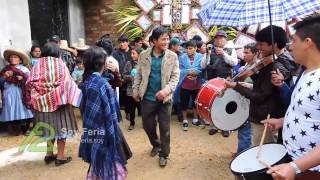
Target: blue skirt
pixel 13 108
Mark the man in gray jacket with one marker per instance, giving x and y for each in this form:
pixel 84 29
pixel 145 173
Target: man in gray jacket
pixel 155 82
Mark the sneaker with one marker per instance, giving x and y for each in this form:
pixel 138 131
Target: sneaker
pixel 163 161
pixel 213 131
pixel 131 127
pixel 154 151
pixel 225 134
pixel 185 125
pixel 196 122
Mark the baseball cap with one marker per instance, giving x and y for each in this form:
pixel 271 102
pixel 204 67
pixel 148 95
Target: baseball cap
pixel 174 41
pixel 54 38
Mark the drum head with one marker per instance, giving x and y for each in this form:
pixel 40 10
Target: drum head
pixel 246 162
pixel 230 111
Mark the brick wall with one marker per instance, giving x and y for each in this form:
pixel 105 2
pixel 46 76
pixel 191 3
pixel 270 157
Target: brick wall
pixel 97 22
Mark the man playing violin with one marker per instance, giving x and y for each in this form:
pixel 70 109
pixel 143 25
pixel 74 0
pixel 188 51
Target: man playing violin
pixel 264 96
pixel 250 52
pixel 283 56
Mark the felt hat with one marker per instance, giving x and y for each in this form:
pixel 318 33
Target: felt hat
pixel 221 33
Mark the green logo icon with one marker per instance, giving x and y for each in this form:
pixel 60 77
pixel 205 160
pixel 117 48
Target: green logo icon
pixel 32 146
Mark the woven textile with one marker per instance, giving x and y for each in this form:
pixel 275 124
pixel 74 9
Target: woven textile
pixel 51 85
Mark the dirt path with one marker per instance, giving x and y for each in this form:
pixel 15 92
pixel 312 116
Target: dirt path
pixel 194 155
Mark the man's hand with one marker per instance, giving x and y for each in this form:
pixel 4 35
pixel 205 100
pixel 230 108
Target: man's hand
pixel 112 67
pixel 136 97
pixel 161 95
pixel 19 78
pixel 282 172
pixel 277 78
pixel 273 124
pixel 8 74
pixel 219 51
pixel 230 84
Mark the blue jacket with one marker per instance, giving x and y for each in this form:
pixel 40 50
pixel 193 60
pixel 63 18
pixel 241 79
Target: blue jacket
pixel 185 67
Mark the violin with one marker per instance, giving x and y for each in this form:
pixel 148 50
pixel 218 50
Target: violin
pixel 249 70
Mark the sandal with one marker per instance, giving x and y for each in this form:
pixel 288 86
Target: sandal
pixel 59 162
pixel 50 159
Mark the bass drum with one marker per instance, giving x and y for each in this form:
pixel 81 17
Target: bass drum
pixel 230 111
pixel 206 96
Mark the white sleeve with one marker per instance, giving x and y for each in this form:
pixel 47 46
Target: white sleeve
pixel 231 60
pixel 205 61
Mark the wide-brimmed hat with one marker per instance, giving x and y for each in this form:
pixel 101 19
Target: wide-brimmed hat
pixel 19 52
pixel 81 45
pixel 65 46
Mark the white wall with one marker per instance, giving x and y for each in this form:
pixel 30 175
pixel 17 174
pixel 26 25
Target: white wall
pixel 76 21
pixel 15 25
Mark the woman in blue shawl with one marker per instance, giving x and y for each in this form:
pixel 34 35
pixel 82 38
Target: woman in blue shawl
pixel 102 143
pixel 190 82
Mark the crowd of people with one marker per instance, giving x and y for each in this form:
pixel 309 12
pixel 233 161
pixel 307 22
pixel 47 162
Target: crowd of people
pixel 101 80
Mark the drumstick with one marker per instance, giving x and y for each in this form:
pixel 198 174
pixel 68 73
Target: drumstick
pixel 262 138
pixel 264 163
pixel 267 165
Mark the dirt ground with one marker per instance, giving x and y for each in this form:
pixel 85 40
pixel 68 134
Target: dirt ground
pixel 194 155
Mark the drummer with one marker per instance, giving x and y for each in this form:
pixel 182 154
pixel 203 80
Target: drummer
pixel 301 124
pixel 250 51
pixel 220 64
pixel 264 97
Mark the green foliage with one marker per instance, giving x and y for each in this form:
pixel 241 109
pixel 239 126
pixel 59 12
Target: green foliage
pixel 125 18
pixel 231 32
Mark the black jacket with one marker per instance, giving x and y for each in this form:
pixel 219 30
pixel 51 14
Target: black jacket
pixel 264 97
pixel 218 67
pixel 122 57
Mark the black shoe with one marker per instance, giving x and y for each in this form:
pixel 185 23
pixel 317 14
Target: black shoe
pixel 225 134
pixel 154 151
pixel 131 127
pixel 213 131
pixel 50 159
pixel 163 161
pixel 59 162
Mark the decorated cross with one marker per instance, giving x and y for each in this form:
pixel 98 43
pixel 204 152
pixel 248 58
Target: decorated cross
pixel 172 13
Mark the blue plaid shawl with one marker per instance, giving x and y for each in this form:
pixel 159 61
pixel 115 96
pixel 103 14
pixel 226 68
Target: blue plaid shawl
pixel 101 136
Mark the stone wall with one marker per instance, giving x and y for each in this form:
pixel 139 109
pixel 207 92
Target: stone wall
pixel 97 21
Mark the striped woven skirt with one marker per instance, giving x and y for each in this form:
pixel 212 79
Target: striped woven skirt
pixel 60 124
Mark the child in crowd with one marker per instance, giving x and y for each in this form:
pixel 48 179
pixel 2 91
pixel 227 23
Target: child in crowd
pixel 35 54
pixel 129 73
pixel 15 98
pixel 78 72
pixel 102 144
pixel 190 81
